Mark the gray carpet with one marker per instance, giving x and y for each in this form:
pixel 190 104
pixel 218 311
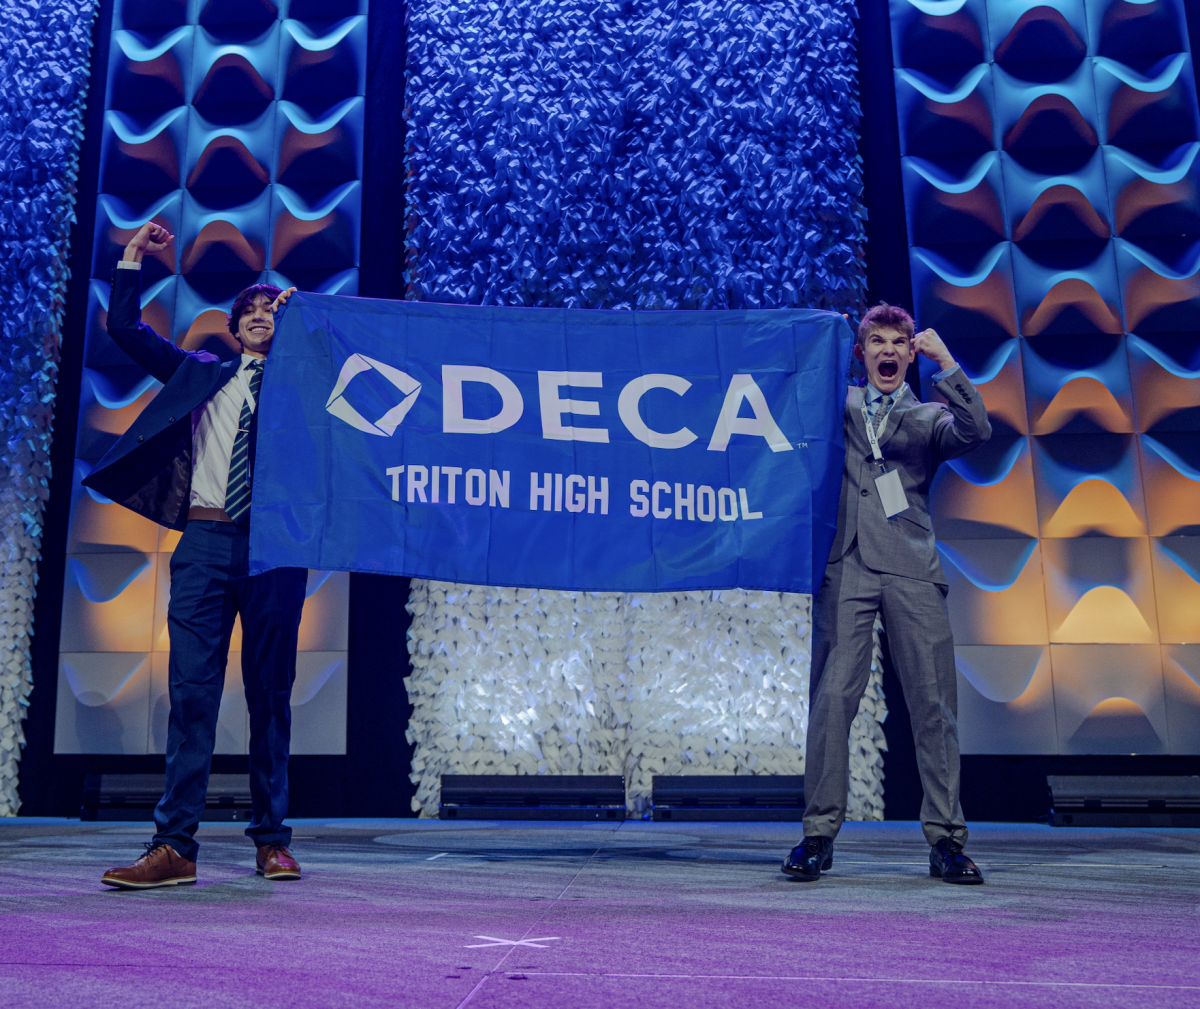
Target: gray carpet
pixel 429 914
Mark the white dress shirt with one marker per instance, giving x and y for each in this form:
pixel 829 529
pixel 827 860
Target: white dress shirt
pixel 214 428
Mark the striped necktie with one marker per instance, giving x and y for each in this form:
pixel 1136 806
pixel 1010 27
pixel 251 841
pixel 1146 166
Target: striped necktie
pixel 881 412
pixel 237 490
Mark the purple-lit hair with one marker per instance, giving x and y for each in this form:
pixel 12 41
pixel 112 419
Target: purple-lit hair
pixel 244 301
pixel 885 316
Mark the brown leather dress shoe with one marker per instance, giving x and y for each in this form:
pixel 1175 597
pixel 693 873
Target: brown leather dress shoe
pixel 275 862
pixel 160 866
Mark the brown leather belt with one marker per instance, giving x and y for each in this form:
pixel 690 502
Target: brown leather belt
pixel 208 515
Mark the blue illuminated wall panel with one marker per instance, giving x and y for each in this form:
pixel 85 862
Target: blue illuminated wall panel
pixel 1051 184
pixel 238 125
pixel 634 154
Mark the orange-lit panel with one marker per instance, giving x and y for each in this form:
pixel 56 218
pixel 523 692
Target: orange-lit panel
pixel 98 528
pixel 959 508
pixel 209 328
pixel 1118 689
pixel 1005 699
pixel 1081 397
pixel 1015 615
pixel 1177 592
pixel 1094 506
pixel 1072 294
pixel 108 603
pixel 1004 395
pixel 1099 589
pixel 1172 499
pixel 1105 614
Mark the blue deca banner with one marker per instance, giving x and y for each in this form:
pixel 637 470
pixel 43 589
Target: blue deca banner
pixel 554 448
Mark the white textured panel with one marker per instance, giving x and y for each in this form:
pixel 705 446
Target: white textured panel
pixel 1086 676
pixel 319 703
pixel 514 681
pixel 720 685
pixel 1181 685
pixel 1005 699
pixel 160 702
pixel 519 681
pixel 103 702
pixel 325 624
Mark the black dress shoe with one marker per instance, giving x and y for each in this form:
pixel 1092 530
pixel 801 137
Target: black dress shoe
pixel 808 858
pixel 948 863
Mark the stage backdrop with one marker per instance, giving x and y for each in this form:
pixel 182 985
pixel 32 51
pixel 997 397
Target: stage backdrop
pixel 630 156
pixel 237 125
pixel 1051 180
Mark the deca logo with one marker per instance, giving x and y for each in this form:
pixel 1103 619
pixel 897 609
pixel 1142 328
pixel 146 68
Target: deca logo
pixel 742 390
pixel 386 425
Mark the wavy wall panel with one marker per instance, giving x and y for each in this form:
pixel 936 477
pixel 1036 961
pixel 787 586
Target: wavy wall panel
pixel 1052 188
pixel 238 126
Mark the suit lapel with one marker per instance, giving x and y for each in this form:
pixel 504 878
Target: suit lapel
pixel 228 370
pixel 855 397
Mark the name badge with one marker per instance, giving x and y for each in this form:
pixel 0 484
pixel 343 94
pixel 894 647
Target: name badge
pixel 891 493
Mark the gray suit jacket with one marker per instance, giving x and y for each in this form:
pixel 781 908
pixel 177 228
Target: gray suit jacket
pixel 917 438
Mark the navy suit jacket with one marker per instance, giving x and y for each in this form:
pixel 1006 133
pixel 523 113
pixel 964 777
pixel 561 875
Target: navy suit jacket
pixel 149 469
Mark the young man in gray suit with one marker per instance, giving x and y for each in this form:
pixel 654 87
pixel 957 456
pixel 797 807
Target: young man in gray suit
pixel 884 561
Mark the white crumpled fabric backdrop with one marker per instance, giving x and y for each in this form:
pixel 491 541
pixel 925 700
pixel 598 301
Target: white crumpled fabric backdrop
pixel 521 681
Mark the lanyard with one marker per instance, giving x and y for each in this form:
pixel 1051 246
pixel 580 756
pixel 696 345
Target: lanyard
pixel 245 384
pixel 872 437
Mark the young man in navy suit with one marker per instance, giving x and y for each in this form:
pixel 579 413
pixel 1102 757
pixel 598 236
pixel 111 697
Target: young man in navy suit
pixel 187 463
pixel 884 562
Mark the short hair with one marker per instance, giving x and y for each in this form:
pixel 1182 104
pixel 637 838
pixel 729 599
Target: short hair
pixel 885 316
pixel 246 300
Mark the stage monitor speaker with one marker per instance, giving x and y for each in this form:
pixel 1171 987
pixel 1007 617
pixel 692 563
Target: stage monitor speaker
pixel 134 796
pixel 532 797
pixel 777 797
pixel 1124 801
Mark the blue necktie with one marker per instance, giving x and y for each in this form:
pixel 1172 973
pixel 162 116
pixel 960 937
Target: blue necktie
pixel 237 490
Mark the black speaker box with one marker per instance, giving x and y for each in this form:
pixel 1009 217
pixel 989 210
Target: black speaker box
pixel 532 797
pixel 763 797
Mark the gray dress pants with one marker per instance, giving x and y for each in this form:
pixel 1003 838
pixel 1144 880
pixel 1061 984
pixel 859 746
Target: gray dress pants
pixel 922 650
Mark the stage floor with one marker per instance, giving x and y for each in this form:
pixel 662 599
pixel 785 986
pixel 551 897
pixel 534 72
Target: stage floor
pixel 679 916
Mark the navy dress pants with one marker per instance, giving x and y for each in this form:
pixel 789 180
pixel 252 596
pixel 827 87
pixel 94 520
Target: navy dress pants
pixel 210 586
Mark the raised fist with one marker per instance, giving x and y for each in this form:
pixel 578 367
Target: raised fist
pixel 151 238
pixel 927 342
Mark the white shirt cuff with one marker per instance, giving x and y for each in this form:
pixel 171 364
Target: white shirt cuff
pixel 945 373
pixel 124 264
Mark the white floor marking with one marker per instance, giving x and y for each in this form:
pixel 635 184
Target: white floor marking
pixel 1069 865
pixel 512 942
pixel 864 980
pixel 545 911
pixel 440 854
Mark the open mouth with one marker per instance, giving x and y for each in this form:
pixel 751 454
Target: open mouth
pixel 888 369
